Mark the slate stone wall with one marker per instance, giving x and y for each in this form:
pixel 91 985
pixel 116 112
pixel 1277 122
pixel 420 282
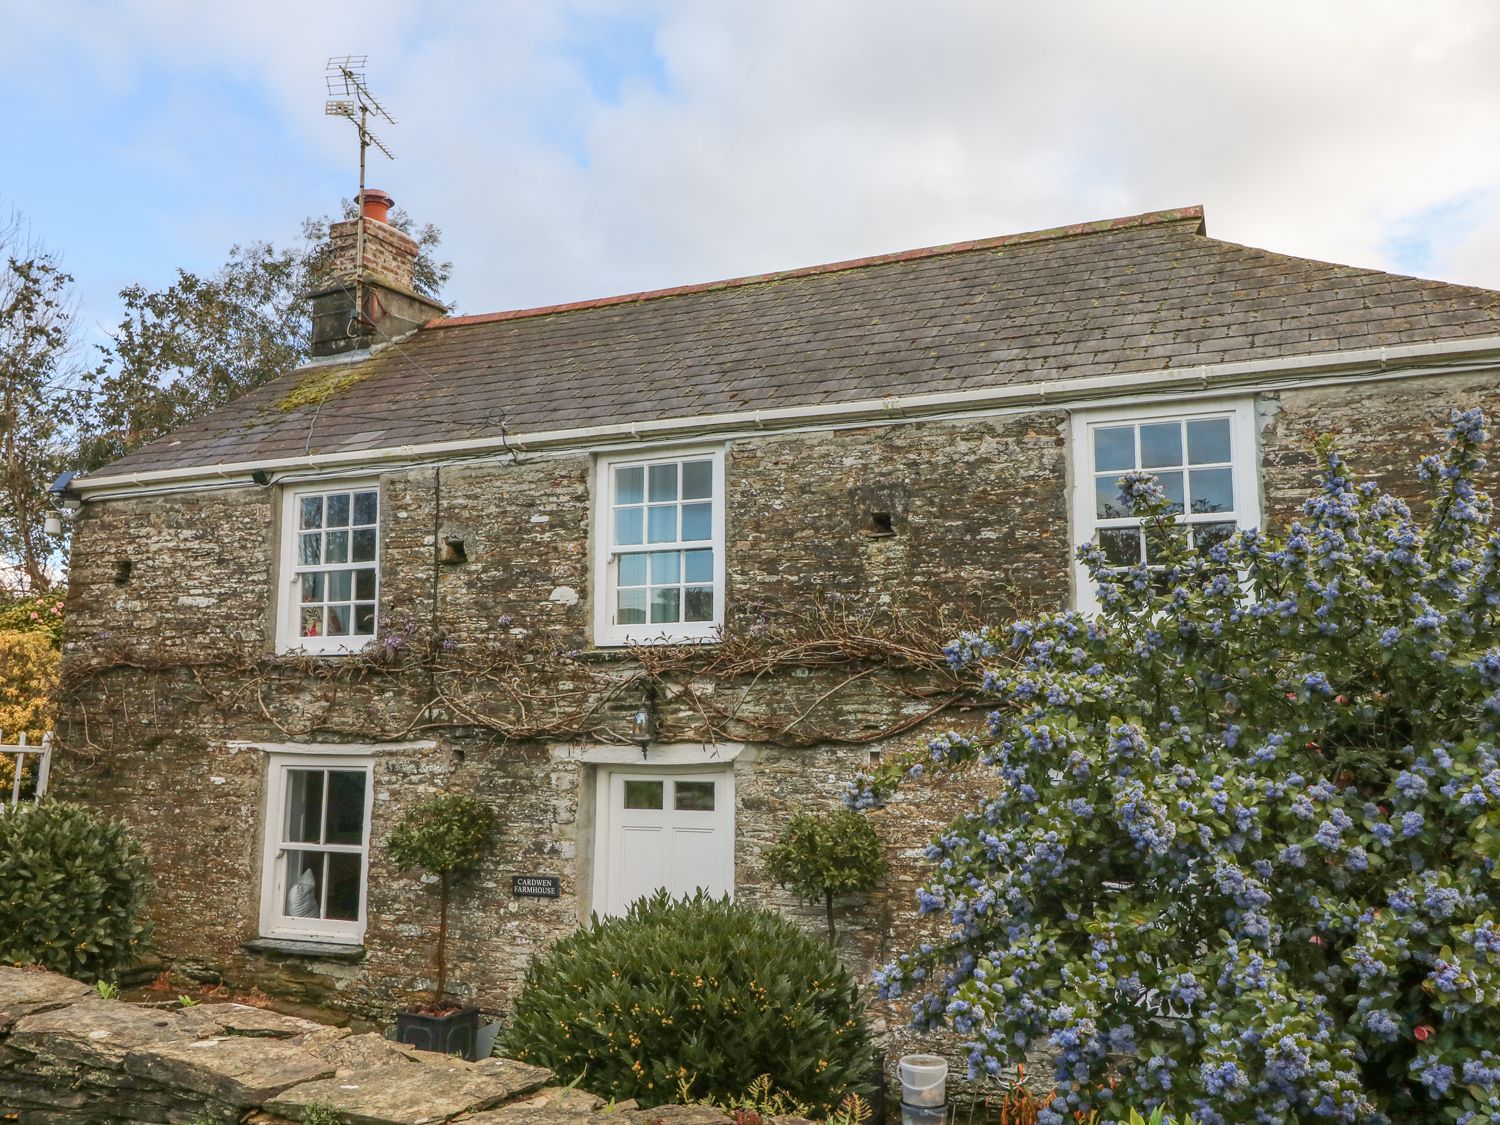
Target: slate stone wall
pixel 979 511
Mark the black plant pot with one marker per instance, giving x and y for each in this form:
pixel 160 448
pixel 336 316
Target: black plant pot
pixel 450 1034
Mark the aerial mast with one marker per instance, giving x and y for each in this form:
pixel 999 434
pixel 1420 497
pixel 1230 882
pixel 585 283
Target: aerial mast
pixel 350 97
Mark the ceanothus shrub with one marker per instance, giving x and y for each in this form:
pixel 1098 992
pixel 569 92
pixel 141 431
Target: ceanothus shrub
pixel 1241 851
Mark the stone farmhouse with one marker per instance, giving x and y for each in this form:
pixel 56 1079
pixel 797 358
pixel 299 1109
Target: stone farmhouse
pixel 651 573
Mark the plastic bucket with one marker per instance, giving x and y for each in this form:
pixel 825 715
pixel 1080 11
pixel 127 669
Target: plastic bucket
pixel 923 1114
pixel 924 1081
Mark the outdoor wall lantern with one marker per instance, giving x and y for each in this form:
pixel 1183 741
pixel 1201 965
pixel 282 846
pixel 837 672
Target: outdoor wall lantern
pixel 643 722
pixel 60 497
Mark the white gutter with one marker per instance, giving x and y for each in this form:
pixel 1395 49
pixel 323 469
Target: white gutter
pixel 1361 364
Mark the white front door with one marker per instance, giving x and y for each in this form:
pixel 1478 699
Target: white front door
pixel 671 829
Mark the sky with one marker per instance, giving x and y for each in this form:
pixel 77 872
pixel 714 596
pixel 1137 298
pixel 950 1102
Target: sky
pixel 579 149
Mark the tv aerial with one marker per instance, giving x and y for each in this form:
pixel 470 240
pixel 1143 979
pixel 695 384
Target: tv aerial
pixel 350 98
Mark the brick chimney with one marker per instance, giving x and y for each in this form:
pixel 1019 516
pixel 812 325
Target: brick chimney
pixel 391 307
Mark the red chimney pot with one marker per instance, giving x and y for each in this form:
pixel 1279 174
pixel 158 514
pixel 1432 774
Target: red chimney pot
pixel 377 205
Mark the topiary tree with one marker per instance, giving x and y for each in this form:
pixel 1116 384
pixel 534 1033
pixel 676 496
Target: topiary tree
pixel 1242 845
pixel 696 997
pixel 448 836
pixel 821 855
pixel 73 888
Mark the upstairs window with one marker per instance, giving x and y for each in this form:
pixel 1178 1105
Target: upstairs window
pixel 331 567
pixel 660 561
pixel 1204 460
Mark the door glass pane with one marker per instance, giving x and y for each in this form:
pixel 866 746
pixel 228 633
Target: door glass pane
pixel 665 604
pixel 1114 448
pixel 662 482
pixel 1208 440
pixel 1161 444
pixel 1213 490
pixel 664 567
pixel 697 480
pixel 694 796
pixel 338 510
pixel 662 525
pixel 629 484
pixel 698 603
pixel 628 526
pixel 304 885
pixel 1109 501
pixel 366 506
pixel 633 570
pixel 698 566
pixel 311 511
pixel 643 794
pixel 696 522
pixel 343 886
pixel 1122 545
pixel 346 807
pixel 304 807
pixel 632 609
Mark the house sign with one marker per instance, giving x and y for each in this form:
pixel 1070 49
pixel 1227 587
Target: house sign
pixel 535 886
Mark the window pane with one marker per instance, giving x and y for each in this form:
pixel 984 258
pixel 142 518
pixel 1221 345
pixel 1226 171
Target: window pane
pixel 312 587
pixel 628 484
pixel 1161 444
pixel 309 549
pixel 364 585
pixel 312 511
pixel 1171 484
pixel 664 567
pixel 643 794
pixel 340 585
pixel 1213 490
pixel 336 548
pixel 663 482
pixel 628 526
pixel 665 604
pixel 312 623
pixel 696 521
pixel 632 570
pixel 698 603
pixel 338 510
pixel 698 566
pixel 1208 440
pixel 697 480
pixel 364 619
pixel 1206 535
pixel 338 621
pixel 632 609
pixel 343 886
pixel 693 796
pixel 304 885
pixel 304 807
pixel 366 507
pixel 1114 448
pixel 364 545
pixel 662 524
pixel 1122 545
pixel 346 807
pixel 1109 502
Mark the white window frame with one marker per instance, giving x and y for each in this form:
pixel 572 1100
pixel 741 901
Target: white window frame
pixel 274 923
pixel 604 816
pixel 1244 457
pixel 288 615
pixel 605 565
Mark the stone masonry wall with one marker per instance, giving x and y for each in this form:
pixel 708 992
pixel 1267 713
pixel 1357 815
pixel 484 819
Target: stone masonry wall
pixel 979 511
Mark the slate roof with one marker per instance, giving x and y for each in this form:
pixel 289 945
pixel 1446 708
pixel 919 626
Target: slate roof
pixel 1139 294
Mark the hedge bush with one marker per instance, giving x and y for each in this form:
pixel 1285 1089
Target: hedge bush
pixel 1245 826
pixel 699 992
pixel 73 885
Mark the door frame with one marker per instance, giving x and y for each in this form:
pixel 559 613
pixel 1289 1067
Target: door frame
pixel 604 815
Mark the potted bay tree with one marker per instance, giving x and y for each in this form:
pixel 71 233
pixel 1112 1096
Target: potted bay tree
pixel 447 836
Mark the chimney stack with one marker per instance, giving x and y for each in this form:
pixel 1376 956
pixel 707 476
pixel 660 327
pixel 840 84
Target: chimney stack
pixel 382 276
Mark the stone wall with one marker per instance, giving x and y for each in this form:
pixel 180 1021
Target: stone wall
pixel 168 671
pixel 68 1057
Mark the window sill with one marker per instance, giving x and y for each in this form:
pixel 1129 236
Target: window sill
pixel 312 950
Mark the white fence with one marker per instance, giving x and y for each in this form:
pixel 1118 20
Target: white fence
pixel 29 766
